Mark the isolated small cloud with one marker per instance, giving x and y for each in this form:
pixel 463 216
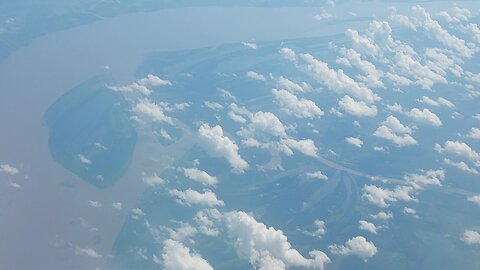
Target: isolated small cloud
pixel 255 76
pixel 192 197
pixel 358 246
pixel 317 175
pixel 9 169
pixel 354 141
pixel 200 176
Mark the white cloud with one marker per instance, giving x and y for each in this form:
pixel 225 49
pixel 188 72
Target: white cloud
pixel 84 159
pixel 117 206
pixel 200 176
pixel 363 44
pixel 255 76
pixel 429 177
pixel 183 231
pixel 220 145
pixel 176 256
pixel 291 104
pixel 213 105
pixel 379 149
pixel 137 212
pixel 250 45
pixel 226 94
pixel 267 247
pixel 433 28
pixel 383 197
pixel 94 204
pixel 190 197
pixel 392 129
pixel 165 135
pixel 460 165
pixel 474 133
pixel 237 118
pixel 460 149
pixel 323 16
pixel 306 147
pixel 152 80
pixel 269 123
pixel 382 215
pixel 358 246
pixel 151 111
pixel 320 229
pixel 357 108
pixel 317 175
pixel 15 185
pixel 368 226
pixel 132 88
pixel 424 116
pixel 475 199
pixel 439 102
pixel 457 15
pixel 288 54
pixel 336 80
pixel 292 86
pixel 354 141
pixel 471 237
pixel 476 116
pixel 205 220
pixel 153 180
pixel 88 252
pixel 351 58
pixel 9 169
pixel 410 212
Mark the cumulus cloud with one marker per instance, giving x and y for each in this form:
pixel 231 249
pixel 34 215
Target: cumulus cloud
pixel 94 204
pixel 475 199
pixel 267 122
pixel 268 248
pixel 200 176
pixel 192 197
pixel 213 105
pixel 137 212
pixel 471 237
pixel 336 80
pixel 429 177
pixel 357 108
pixel 439 102
pixel 382 215
pixel 288 54
pixel 88 252
pixel 474 133
pixel 351 58
pixel 250 45
pixel 354 141
pixel 410 212
pixel 9 169
pixel 306 147
pixel 317 175
pixel 153 180
pixel 460 165
pixel 176 256
pixel 384 197
pixel 368 226
pixel 151 112
pixel 460 149
pixel 217 144
pixel 320 229
pixel 392 129
pixel 117 206
pixel 291 104
pixel 255 76
pixel 84 160
pixel 153 80
pixel 358 246
pixel 424 116
pixel 237 118
pixel 433 28
pixel 287 84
